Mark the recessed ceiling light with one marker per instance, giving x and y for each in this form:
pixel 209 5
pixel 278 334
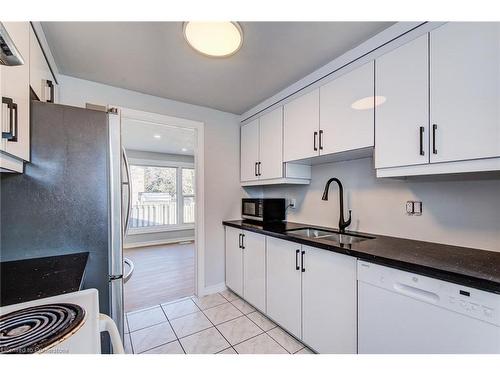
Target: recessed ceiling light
pixel 184 149
pixel 217 39
pixel 368 103
pixel 157 136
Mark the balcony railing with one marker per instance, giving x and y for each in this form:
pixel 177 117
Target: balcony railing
pixel 148 214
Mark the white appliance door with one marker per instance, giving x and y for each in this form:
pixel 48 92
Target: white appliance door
pixel 116 226
pixel 397 317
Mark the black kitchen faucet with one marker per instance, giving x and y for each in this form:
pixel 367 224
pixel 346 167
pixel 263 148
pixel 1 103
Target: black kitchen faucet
pixel 342 223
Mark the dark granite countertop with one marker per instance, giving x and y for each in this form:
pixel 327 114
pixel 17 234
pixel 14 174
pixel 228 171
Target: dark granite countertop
pixel 466 266
pixel 35 278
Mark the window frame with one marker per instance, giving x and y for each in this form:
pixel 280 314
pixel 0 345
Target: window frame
pixel 179 165
pixel 187 195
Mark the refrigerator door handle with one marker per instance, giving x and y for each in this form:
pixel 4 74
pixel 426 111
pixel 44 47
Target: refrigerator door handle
pixel 129 192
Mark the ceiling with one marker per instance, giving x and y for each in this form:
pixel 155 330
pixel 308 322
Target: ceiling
pixel 140 135
pixel 153 58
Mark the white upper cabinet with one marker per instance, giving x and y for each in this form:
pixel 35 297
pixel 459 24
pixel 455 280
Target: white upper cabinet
pixel 346 111
pixel 465 91
pixel 250 151
pixel 271 145
pixel 15 95
pixel 402 121
pixel 301 127
pixel 41 79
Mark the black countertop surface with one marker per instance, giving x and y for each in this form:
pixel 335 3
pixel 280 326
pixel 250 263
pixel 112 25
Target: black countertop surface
pixel 466 266
pixel 35 278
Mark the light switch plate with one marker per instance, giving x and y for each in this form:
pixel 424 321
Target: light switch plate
pixel 414 208
pixel 417 208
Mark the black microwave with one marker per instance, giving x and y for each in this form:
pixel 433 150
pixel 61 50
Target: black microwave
pixel 263 209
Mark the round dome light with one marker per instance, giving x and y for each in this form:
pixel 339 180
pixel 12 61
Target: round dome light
pixel 216 39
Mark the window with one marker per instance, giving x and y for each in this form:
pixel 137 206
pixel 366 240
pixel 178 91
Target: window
pixel 162 196
pixel 188 195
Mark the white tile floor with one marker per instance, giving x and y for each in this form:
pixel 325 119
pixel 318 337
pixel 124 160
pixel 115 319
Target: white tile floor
pixel 219 323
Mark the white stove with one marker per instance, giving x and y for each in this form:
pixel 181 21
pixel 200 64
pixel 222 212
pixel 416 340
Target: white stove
pixel 64 324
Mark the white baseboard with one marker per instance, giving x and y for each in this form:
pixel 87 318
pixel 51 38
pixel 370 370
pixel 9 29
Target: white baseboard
pixel 212 289
pixel 157 242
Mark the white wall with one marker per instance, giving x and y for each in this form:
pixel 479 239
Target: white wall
pixel 462 211
pixel 222 187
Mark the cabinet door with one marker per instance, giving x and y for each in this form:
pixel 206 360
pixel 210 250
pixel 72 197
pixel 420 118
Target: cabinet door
pixel 465 91
pixel 402 122
pixel 234 261
pixel 254 269
pixel 249 151
pixel 329 307
pixel 271 145
pixel 301 127
pixel 41 80
pixel 15 86
pixel 347 111
pixel 283 284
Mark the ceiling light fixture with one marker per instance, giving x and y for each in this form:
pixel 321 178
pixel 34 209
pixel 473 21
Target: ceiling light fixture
pixel 215 39
pixel 368 103
pixel 157 136
pixel 184 149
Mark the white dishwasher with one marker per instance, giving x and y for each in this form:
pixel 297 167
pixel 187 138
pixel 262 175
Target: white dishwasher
pixel 402 312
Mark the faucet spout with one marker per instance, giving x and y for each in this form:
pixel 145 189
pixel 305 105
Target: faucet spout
pixel 342 222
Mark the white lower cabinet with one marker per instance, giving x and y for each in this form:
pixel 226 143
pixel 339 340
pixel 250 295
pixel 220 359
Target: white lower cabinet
pixel 234 260
pixel 283 284
pixel 310 292
pixel 329 301
pixel 246 266
pixel 254 269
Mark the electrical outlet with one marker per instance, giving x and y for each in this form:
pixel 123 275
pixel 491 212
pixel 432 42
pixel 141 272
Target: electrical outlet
pixel 409 207
pixel 293 203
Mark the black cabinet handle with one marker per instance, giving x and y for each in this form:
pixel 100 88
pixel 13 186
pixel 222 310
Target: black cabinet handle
pixel 315 139
pixel 321 139
pixel 239 241
pixel 302 261
pixel 255 169
pixel 51 87
pixel 11 135
pixel 258 168
pixel 16 124
pixel 422 129
pixel 243 241
pixel 434 128
pixel 9 102
pixel 297 259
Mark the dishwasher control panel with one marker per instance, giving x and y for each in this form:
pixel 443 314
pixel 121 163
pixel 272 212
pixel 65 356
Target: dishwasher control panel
pixel 472 302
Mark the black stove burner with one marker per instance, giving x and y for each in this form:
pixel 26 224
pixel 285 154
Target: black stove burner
pixel 37 328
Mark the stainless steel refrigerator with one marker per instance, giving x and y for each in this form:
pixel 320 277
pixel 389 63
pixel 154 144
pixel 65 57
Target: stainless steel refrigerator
pixel 69 198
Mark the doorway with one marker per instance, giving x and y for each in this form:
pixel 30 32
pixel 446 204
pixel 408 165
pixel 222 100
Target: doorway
pixel 160 249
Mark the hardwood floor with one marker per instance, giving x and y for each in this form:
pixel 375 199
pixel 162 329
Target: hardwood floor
pixel 162 274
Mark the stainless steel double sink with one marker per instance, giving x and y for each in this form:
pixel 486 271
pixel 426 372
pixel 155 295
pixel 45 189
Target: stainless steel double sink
pixel 316 233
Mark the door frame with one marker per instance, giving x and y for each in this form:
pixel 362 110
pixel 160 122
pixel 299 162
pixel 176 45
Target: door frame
pixel 199 167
